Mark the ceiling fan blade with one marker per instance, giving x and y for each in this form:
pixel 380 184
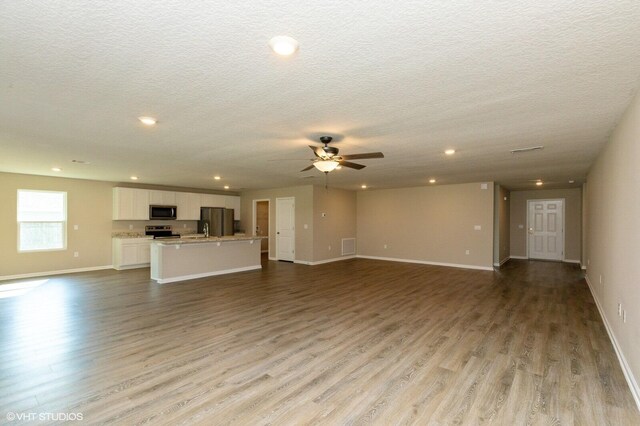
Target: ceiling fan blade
pixel 307 168
pixel 363 156
pixel 317 150
pixel 352 165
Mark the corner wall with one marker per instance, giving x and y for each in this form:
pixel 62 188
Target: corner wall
pixel 501 226
pixel 613 239
pixel 428 224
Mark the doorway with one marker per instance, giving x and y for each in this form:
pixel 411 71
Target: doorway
pixel 545 229
pixel 285 228
pixel 261 226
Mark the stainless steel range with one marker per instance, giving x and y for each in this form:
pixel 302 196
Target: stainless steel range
pixel 160 232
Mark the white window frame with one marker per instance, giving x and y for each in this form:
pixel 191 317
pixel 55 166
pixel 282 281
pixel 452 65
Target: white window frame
pixel 63 222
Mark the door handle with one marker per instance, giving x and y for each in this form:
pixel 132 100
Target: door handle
pixel 531 230
pixel 278 232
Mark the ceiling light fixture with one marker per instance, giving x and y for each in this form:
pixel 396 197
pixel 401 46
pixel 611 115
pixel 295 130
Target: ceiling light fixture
pixel 148 121
pixel 134 178
pixel 226 187
pixel 364 187
pixel 56 169
pixel 283 45
pixel 432 181
pixel 326 166
pixel 217 177
pixel 539 183
pixel 450 151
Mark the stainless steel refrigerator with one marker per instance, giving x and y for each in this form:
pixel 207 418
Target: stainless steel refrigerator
pixel 220 221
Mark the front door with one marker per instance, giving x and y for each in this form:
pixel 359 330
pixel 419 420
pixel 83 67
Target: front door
pixel 545 229
pixel 285 228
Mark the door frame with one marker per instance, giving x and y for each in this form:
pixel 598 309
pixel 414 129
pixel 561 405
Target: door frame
pixel 294 230
pixel 255 221
pixel 564 225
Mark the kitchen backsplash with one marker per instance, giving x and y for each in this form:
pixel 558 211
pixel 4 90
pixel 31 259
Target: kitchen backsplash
pixel 137 226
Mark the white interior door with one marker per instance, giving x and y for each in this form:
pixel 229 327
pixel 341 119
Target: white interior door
pixel 546 229
pixel 285 228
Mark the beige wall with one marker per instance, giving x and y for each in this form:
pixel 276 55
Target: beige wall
pixel 428 224
pixel 573 219
pixel 613 234
pixel 339 221
pixel 88 206
pixel 304 216
pixel 501 225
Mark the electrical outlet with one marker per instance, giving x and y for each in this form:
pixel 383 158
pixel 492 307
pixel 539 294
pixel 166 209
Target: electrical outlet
pixel 184 225
pixel 466 252
pixel 619 309
pixel 130 227
pixel 600 278
pixel 624 316
pixel 588 262
pixel 329 247
pixel 385 246
pixel 76 254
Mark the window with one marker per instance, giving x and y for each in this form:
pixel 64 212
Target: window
pixel 42 220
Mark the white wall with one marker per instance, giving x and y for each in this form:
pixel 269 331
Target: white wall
pixel 613 236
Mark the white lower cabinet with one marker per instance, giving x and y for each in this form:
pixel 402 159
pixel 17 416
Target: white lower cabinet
pixel 131 253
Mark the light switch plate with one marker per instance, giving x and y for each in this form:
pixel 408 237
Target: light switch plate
pixel 483 186
pixel 75 227
pixel 477 227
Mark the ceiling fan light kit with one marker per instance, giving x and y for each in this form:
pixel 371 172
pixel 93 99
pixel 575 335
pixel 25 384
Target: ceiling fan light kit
pixel 326 166
pixel 327 158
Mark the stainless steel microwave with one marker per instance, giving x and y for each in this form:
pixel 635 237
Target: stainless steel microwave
pixel 163 212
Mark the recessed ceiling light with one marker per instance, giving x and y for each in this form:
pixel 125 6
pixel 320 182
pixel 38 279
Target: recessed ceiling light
pixel 364 187
pixel 134 178
pixel 539 183
pixel 149 121
pixel 450 151
pixel 432 181
pixel 217 177
pixel 572 181
pixel 226 187
pixel 56 169
pixel 283 45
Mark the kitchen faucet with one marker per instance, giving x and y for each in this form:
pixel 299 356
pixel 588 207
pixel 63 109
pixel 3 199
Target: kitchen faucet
pixel 206 230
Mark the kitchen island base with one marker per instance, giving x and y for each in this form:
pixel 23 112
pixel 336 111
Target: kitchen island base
pixel 180 260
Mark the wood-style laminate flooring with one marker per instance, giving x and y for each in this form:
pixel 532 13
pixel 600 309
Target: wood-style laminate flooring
pixel 353 342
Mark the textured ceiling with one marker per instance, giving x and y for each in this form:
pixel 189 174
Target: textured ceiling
pixel 406 78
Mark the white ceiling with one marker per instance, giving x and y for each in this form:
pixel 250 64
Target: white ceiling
pixel 406 78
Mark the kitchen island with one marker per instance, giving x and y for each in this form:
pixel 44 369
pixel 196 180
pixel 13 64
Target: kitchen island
pixel 190 258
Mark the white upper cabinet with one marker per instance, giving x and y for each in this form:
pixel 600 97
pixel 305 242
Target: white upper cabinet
pixel 212 200
pixel 233 202
pixel 188 205
pixel 162 198
pixel 130 204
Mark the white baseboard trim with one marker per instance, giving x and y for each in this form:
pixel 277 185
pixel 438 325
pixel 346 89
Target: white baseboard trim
pixel 272 258
pixel 124 268
pixel 518 257
pixel 628 374
pixel 320 262
pixel 206 274
pixel 426 262
pixel 571 261
pixel 60 272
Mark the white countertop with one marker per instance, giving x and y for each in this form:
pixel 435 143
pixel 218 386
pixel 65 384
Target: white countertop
pixel 201 240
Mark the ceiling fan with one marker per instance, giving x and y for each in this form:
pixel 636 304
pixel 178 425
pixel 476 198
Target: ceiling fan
pixel 327 158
